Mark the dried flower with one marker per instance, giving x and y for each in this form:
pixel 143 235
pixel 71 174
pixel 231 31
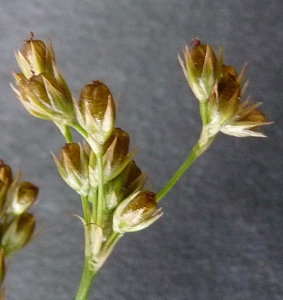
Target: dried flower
pixel 20 196
pixel 227 114
pixel 35 58
pixel 202 69
pixel 18 234
pixel 96 114
pixel 73 167
pixel 136 212
pixel 44 97
pixel 245 121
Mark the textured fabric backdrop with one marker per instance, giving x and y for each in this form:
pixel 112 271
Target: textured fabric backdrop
pixel 221 236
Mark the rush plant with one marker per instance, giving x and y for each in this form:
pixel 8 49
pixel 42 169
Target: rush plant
pixel 100 167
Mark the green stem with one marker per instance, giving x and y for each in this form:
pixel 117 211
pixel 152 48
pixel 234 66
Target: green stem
pixel 86 280
pixel 80 130
pixel 202 144
pixel 88 274
pixel 111 241
pixel 65 130
pixel 203 112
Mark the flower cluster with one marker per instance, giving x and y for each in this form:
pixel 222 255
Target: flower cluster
pixel 219 90
pixel 16 224
pixel 100 169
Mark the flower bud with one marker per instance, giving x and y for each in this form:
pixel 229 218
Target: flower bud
pixel 44 97
pixel 35 58
pixel 73 167
pixel 20 197
pixel 136 212
pixel 202 69
pixel 18 234
pixel 96 113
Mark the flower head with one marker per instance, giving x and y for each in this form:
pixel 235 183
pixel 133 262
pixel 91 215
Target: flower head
pixel 136 212
pixel 18 233
pixel 226 112
pixel 44 97
pixel 41 88
pixel 20 196
pixel 202 69
pixel 96 113
pixel 35 57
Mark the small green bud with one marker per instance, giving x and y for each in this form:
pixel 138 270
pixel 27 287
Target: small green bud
pixel 20 196
pixel 18 233
pixel 35 58
pixel 44 97
pixel 202 69
pixel 96 114
pixel 136 212
pixel 73 167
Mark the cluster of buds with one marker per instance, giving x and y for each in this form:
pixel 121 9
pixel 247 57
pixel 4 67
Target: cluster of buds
pixel 219 90
pixel 16 224
pixel 127 207
pixel 100 169
pixel 123 182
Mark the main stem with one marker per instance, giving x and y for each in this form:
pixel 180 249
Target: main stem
pixel 86 280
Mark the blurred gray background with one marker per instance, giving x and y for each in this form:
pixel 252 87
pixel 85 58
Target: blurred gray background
pixel 221 236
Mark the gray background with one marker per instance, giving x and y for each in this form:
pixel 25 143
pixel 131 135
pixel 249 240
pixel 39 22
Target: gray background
pixel 221 236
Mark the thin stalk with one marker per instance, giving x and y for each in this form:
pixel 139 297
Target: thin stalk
pixel 203 112
pixel 80 130
pixel 88 274
pixel 111 240
pixel 86 280
pixel 202 144
pixel 65 130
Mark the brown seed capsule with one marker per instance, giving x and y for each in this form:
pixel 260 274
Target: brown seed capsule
pixel 45 98
pixel 96 114
pixel 35 57
pixel 73 167
pixel 20 197
pixel 136 212
pixel 18 233
pixel 202 69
